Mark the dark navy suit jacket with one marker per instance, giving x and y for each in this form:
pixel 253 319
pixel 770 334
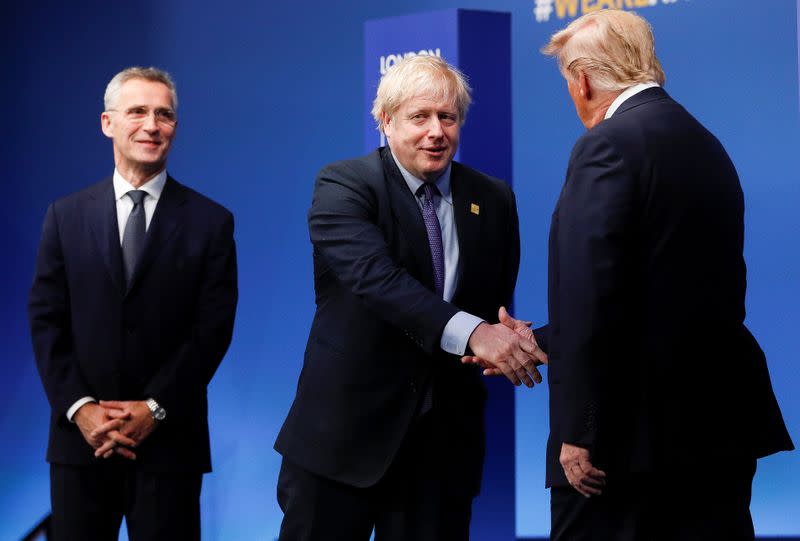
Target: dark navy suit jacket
pixel 374 342
pixel 161 337
pixel 650 362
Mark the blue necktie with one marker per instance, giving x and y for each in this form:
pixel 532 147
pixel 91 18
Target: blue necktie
pixel 134 235
pixel 434 234
pixel 437 257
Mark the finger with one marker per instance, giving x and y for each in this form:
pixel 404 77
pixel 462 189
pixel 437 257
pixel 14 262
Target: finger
pixel 590 486
pixel 535 374
pixel 115 404
pixel 122 439
pixel 113 424
pixel 118 413
pixel 532 348
pixel 108 445
pixel 108 453
pixel 505 318
pixel 588 490
pixel 125 452
pixel 530 366
pixel 471 359
pixel 574 482
pixel 589 479
pixel 119 404
pixel 586 468
pixel 520 369
pixel 492 372
pixel 509 373
pixel 525 333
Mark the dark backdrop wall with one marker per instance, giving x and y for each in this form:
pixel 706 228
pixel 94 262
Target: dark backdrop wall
pixel 271 91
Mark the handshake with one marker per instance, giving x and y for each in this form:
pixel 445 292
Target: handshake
pixel 507 348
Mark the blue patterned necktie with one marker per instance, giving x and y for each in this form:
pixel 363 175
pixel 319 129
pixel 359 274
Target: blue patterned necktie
pixel 437 256
pixel 434 234
pixel 134 235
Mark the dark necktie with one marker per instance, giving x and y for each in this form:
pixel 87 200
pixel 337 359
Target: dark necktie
pixel 434 234
pixel 133 238
pixel 437 256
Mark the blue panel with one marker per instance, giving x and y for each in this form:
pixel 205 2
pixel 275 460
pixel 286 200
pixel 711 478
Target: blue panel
pixel 484 48
pixel 387 41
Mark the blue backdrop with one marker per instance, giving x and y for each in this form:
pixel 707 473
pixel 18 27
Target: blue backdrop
pixel 270 92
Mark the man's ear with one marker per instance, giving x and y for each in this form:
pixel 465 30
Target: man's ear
pixel 387 124
pixel 105 124
pixel 584 87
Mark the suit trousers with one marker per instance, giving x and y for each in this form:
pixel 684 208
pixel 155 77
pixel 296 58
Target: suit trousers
pixel 414 501
pixel 89 502
pixel 682 506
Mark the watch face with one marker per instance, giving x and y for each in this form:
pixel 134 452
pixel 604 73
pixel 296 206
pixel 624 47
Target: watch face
pixel 160 414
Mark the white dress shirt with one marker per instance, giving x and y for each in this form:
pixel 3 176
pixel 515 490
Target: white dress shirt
pixel 628 93
pixel 153 187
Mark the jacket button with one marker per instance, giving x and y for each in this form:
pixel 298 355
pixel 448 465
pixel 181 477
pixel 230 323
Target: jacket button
pixel 413 387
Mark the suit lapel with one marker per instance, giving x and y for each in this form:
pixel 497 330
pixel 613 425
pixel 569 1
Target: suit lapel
pixel 165 222
pixel 467 208
pixel 102 216
pixel 408 218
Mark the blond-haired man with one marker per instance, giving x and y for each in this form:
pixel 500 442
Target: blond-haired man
pixel 414 255
pixel 660 397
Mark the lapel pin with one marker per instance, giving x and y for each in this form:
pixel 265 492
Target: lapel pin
pixel 475 209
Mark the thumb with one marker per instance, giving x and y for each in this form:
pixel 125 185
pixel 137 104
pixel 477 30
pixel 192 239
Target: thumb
pixel 502 315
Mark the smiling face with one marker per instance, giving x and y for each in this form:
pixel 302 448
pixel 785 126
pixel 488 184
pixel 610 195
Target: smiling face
pixel 142 125
pixel 423 134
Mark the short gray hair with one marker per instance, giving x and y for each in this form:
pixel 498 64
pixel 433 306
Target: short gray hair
pixel 136 72
pixel 614 48
pixel 428 76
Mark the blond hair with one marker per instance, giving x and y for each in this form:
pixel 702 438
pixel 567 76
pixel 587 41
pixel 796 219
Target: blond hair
pixel 614 48
pixel 427 76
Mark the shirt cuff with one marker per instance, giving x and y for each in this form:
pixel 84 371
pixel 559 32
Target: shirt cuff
pixel 77 405
pixel 457 332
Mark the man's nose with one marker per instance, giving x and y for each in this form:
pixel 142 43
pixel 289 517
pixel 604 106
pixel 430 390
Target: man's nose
pixel 435 128
pixel 150 123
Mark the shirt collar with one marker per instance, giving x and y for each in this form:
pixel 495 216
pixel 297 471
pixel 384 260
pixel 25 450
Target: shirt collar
pixel 628 93
pixel 153 187
pixel 442 183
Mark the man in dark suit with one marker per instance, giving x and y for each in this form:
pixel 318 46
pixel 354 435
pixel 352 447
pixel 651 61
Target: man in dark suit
pixel 660 399
pixel 414 255
pixel 131 312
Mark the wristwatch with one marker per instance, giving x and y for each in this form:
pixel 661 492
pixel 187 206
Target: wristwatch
pixel 158 413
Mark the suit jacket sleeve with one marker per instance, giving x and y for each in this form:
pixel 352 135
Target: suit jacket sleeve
pixel 181 381
pixel 50 322
pixel 343 224
pixel 595 221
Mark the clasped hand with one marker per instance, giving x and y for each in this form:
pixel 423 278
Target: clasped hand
pixel 507 348
pixel 115 427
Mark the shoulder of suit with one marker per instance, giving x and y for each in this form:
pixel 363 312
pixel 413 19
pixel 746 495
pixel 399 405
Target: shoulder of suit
pixel 361 167
pixel 89 192
pixel 476 179
pixel 196 198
